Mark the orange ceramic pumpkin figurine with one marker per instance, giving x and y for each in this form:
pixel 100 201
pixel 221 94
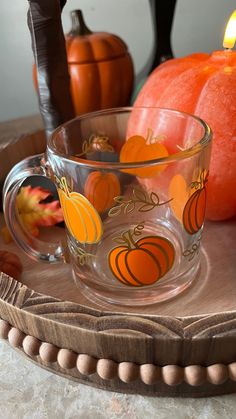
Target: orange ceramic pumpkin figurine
pixel 100 67
pixel 10 264
pixel 138 148
pixel 81 218
pixel 101 189
pixel 204 85
pixel 194 210
pixel 143 262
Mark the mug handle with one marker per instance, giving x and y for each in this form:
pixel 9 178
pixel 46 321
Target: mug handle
pixel 35 248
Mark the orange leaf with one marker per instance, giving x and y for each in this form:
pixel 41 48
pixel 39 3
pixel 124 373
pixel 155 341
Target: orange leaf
pixel 33 212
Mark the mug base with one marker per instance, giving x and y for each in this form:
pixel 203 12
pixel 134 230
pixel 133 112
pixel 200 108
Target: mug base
pixel 139 297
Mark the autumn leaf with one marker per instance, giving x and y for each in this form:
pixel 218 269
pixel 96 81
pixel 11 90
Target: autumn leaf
pixel 34 212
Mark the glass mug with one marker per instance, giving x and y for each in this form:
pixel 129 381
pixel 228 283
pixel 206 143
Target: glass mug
pixel 132 186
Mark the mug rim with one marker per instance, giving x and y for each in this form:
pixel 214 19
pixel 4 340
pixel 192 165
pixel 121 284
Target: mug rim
pixel 180 155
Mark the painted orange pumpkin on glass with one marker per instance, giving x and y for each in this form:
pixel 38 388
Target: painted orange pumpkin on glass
pixel 138 148
pixel 195 207
pixel 188 202
pixel 179 193
pixel 81 218
pixel 101 189
pixel 144 264
pixel 194 211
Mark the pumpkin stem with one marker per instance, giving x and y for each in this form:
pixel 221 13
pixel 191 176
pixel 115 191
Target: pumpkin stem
pixel 204 178
pixel 152 140
pixel 136 232
pixel 149 136
pixel 131 241
pixel 127 237
pixel 79 27
pixel 63 186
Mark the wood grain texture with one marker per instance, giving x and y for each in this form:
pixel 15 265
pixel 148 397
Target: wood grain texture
pixel 137 338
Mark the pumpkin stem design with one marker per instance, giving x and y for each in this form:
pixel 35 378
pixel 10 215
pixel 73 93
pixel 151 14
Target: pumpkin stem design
pixel 187 145
pixel 130 240
pixel 194 249
pixel 127 238
pixel 62 184
pixel 147 203
pixel 83 257
pixel 151 139
pixel 96 142
pixel 201 183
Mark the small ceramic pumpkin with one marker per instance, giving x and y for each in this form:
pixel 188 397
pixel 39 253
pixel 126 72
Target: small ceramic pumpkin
pixel 81 218
pixel 100 67
pixel 10 264
pixel 145 263
pixel 101 189
pixel 138 148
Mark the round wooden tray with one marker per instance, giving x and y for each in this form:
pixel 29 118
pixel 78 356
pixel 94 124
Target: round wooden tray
pixel 183 347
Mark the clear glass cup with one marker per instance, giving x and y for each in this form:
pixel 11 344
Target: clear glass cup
pixel 132 184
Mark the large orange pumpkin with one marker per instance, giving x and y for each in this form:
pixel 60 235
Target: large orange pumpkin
pixel 101 189
pixel 204 85
pixel 100 67
pixel 150 259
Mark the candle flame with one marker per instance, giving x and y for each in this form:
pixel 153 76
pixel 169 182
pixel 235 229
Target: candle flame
pixel 230 32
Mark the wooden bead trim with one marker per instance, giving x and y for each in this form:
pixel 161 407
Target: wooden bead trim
pixel 172 375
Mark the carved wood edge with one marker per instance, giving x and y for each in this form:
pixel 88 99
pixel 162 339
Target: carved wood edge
pixel 133 338
pixel 20 296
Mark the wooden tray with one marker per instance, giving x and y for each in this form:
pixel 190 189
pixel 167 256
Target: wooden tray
pixel 184 347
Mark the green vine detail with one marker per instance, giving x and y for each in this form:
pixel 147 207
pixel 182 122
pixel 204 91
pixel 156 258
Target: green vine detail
pixel 146 201
pixel 194 249
pixel 127 238
pixel 88 145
